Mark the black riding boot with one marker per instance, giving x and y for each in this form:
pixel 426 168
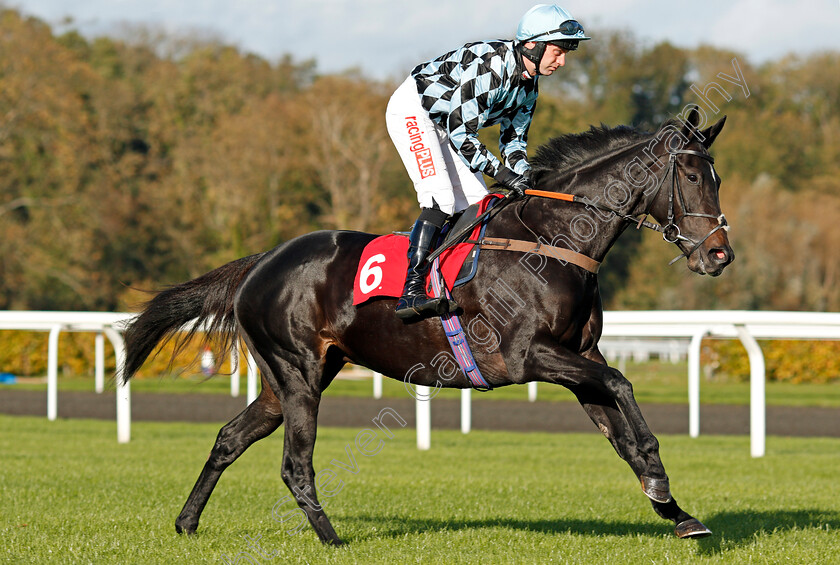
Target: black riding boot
pixel 415 301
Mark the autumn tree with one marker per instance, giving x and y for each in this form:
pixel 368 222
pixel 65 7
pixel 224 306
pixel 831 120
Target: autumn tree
pixel 145 158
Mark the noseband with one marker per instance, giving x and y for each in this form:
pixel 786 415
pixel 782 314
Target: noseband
pixel 670 231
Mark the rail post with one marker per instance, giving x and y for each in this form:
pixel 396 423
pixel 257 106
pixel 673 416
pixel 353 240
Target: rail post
pixel 123 389
pixel 532 391
pixel 52 373
pixel 99 363
pixel 694 382
pixel 423 405
pixel 377 385
pixel 757 396
pixel 466 410
pixel 252 379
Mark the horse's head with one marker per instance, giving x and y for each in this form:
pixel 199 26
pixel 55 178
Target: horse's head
pixel 687 202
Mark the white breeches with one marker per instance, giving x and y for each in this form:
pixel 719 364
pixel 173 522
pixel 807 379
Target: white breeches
pixel 436 170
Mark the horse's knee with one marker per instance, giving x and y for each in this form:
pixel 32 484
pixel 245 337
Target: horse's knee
pixel 618 385
pixel 650 444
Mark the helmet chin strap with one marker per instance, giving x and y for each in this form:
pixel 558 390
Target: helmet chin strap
pixel 535 54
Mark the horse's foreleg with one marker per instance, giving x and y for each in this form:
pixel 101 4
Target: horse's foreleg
pixel 603 408
pixel 607 397
pixel 258 420
pixel 604 412
pixel 301 411
pixel 609 419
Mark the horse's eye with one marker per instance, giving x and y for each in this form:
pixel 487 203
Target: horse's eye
pixel 692 178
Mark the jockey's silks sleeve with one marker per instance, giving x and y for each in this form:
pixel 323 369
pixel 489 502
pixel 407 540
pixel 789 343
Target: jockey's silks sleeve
pixel 480 85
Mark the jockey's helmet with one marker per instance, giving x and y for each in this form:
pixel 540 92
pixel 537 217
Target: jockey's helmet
pixel 548 23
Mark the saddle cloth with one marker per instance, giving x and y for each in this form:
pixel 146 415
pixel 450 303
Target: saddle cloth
pixel 384 261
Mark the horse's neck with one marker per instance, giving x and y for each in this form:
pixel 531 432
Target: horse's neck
pixel 584 228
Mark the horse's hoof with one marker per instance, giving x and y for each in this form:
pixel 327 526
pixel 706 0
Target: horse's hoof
pixel 184 529
pixel 334 542
pixel 692 528
pixel 658 490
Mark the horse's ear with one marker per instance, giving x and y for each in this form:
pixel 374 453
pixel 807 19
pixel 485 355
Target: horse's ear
pixel 690 125
pixel 710 133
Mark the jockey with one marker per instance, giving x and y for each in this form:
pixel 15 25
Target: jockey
pixel 433 119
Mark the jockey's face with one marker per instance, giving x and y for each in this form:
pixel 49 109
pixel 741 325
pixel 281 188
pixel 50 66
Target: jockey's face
pixel 553 58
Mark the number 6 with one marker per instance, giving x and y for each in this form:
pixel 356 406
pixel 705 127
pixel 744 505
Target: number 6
pixel 370 269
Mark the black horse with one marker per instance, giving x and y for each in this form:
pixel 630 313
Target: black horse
pixel 293 306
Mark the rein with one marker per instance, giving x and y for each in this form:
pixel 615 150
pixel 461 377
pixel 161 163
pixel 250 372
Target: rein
pixel 671 231
pixel 466 230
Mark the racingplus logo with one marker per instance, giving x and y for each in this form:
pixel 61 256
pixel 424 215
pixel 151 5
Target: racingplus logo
pixel 422 153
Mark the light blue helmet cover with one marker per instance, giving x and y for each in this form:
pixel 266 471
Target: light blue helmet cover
pixel 545 22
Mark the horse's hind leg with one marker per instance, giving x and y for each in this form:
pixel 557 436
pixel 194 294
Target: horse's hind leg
pixel 301 409
pixel 258 420
pixel 297 381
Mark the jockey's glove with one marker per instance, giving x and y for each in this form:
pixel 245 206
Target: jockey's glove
pixel 515 183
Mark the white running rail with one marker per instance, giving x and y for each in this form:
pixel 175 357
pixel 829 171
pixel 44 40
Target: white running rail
pixel 104 324
pixel 747 326
pixel 694 325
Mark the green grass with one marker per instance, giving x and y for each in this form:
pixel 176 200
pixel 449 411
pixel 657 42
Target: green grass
pixel 70 494
pixel 653 382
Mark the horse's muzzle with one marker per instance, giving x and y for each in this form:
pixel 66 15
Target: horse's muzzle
pixel 715 260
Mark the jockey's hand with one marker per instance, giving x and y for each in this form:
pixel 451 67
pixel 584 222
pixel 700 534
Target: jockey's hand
pixel 515 183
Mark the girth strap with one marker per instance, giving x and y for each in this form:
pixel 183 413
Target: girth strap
pixel 560 253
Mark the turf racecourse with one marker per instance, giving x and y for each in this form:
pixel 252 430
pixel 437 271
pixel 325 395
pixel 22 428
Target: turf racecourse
pixel 70 494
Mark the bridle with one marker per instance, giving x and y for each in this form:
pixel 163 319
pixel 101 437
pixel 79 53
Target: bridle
pixel 670 231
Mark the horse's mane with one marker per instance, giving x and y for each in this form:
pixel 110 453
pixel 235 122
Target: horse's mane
pixel 570 151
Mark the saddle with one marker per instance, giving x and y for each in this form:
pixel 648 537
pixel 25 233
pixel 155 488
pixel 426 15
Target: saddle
pixel 382 266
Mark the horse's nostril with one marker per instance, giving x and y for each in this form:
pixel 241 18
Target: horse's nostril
pixel 720 255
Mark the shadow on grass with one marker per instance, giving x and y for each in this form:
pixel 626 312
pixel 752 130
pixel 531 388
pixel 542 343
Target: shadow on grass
pixel 401 526
pixel 732 530
pixel 739 528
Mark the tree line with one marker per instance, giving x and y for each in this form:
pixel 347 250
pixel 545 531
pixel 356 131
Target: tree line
pixel 132 162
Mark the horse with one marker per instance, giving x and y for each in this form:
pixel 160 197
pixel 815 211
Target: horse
pixel 293 306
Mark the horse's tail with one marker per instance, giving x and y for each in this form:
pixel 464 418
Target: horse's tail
pixel 208 300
